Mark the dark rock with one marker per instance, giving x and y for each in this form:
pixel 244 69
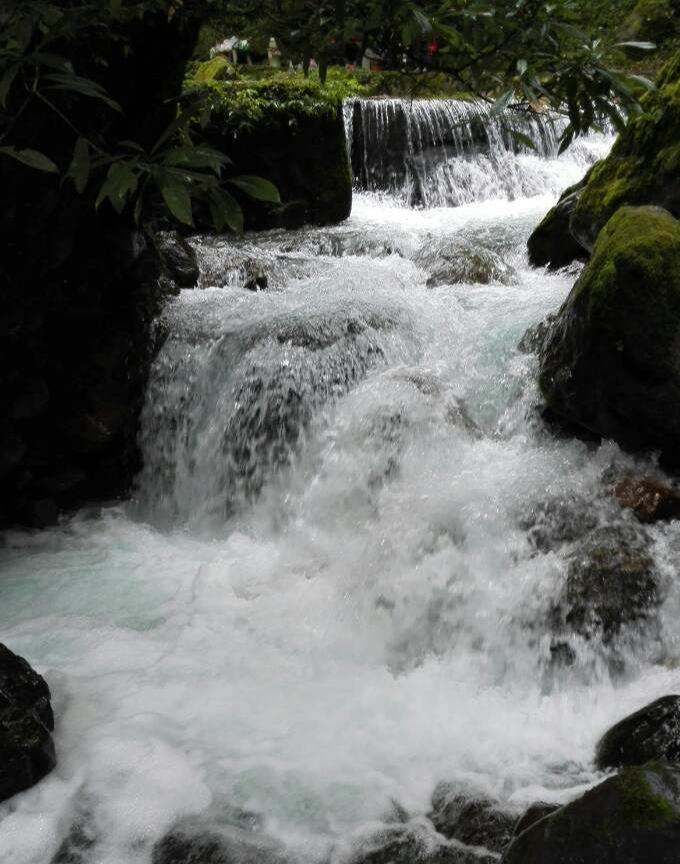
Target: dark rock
pixel 650 499
pixel 473 821
pixel 178 259
pixel 534 813
pixel 413 845
pixel 653 732
pixel 632 818
pixel 611 583
pixel 26 746
pixel 551 243
pixel 535 336
pixel 256 278
pixel 20 684
pixel 77 846
pixel 610 363
pixel 195 844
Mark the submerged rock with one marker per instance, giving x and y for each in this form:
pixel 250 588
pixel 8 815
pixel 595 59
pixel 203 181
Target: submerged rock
pixel 414 844
pixel 465 264
pixel 632 818
pixel 26 747
pixel 192 843
pixel 535 336
pixel 558 521
pixel 611 361
pixel 653 732
pixel 611 583
pixel 650 499
pixel 471 820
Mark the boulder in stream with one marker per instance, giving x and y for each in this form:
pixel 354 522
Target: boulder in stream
pixel 26 747
pixel 651 500
pixel 611 361
pixel 474 821
pixel 551 243
pixel 653 732
pixel 414 844
pixel 534 813
pixel 631 818
pixel 465 264
pixel 178 259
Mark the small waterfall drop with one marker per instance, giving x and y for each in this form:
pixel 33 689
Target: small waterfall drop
pixel 448 152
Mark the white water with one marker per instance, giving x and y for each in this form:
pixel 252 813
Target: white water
pixel 363 615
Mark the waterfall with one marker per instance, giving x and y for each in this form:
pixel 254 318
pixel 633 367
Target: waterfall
pixel 448 152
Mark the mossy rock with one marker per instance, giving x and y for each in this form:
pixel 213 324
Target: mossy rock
pixel 632 818
pixel 217 69
pixel 643 166
pixel 293 135
pixel 611 361
pixel 653 732
pixel 551 243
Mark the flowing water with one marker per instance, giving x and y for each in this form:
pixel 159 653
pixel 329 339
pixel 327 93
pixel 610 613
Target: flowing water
pixel 324 598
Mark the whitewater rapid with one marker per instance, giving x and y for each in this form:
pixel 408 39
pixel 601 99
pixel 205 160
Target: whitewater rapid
pixel 292 631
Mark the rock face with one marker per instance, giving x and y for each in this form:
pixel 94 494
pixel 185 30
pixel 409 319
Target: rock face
pixel 472 821
pixel 653 732
pixel 632 818
pixel 534 813
pixel 551 243
pixel 643 166
pixel 26 747
pixel 611 362
pixel 179 263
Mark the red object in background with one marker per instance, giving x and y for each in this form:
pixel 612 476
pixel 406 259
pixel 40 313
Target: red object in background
pixel 432 48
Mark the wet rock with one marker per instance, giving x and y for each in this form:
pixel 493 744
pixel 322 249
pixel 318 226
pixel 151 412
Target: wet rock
pixel 558 521
pixel 611 583
pixel 414 845
pixel 632 818
pixel 472 821
pixel 650 499
pixel 653 732
pixel 535 336
pixel 256 278
pixel 466 264
pixel 77 846
pixel 26 747
pixel 178 260
pixel 610 362
pixel 534 813
pixel 196 844
pixel 551 243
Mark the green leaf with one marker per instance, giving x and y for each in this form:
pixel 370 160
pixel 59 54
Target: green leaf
pixel 176 196
pixel 79 169
pixel 503 101
pixel 640 46
pixel 32 158
pixel 6 82
pixel 256 187
pixel 84 86
pixel 121 181
pixel 225 210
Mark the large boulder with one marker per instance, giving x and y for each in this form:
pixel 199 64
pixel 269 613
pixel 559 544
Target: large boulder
pixel 611 362
pixel 653 732
pixel 643 166
pixel 26 747
pixel 632 818
pixel 413 844
pixel 551 243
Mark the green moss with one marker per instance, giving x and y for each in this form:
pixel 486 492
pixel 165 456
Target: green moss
pixel 643 164
pixel 216 69
pixel 640 804
pixel 652 20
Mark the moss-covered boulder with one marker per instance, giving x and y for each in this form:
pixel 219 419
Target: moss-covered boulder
pixel 611 361
pixel 652 20
pixel 632 818
pixel 643 166
pixel 292 133
pixel 551 243
pixel 653 732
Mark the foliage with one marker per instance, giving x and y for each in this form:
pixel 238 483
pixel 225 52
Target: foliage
pixel 531 52
pixel 41 49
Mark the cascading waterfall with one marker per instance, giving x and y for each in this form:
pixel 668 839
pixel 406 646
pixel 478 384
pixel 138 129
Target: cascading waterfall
pixel 340 581
pixel 444 152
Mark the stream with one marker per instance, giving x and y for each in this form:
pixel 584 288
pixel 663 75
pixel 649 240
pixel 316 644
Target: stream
pixel 323 598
